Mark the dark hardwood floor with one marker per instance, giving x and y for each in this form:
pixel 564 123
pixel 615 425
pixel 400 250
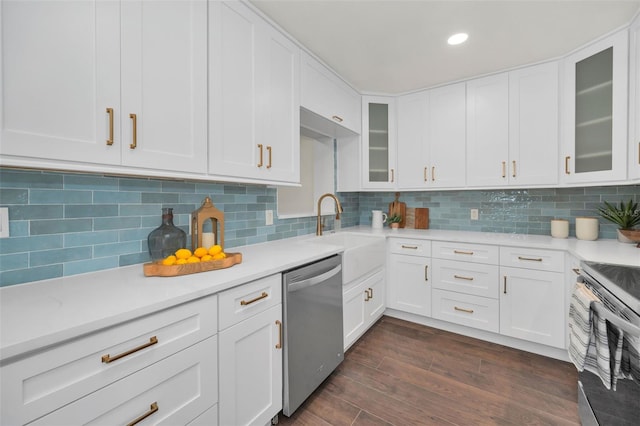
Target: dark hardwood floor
pixel 401 373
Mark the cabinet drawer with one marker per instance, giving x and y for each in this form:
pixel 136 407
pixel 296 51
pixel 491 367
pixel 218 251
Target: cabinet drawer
pixel 468 278
pixel 411 247
pixel 472 311
pixel 182 387
pixel 475 253
pixel 543 260
pixel 43 382
pixel 244 301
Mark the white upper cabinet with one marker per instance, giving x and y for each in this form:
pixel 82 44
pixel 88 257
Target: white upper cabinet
pixel 325 94
pixel 533 125
pixel 60 74
pixel 634 100
pixel 488 130
pixel 117 88
pixel 378 142
pixel 431 138
pixel 254 97
pixel 595 112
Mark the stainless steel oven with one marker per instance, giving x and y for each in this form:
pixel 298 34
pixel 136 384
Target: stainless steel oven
pixel 618 287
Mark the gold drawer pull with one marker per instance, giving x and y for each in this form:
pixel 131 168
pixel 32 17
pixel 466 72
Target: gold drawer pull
pixel 576 270
pixel 110 114
pixel 107 358
pixel 514 168
pixel 410 247
pixel 433 173
pixel 255 299
pixel 460 277
pixel 370 292
pixel 269 151
pixel 504 169
pixel 463 252
pixel 367 295
pixel 426 272
pixel 424 174
pixel 152 409
pixel 532 259
pixel 392 176
pixel 279 344
pixel 566 165
pixel 260 161
pixel 134 130
pixel 469 311
pixel 505 285
pixel 337 118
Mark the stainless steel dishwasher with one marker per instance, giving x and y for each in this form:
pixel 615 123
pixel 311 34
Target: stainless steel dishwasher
pixel 313 337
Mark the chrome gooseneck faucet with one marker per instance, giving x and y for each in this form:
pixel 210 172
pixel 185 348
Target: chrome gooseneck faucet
pixel 338 210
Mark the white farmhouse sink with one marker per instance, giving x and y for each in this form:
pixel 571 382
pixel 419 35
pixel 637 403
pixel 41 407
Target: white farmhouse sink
pixel 362 253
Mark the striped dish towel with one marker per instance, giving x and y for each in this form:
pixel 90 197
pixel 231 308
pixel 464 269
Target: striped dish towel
pixel 580 324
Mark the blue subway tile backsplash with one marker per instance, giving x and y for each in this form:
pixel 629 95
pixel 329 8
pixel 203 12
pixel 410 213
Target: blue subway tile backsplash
pixel 69 223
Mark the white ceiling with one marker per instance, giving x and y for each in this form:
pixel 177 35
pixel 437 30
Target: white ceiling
pixel 395 46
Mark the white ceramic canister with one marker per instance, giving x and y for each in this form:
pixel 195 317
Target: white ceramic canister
pixel 587 228
pixel 559 228
pixel 377 219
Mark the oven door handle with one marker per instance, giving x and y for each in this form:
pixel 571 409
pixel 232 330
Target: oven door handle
pixel 309 282
pixel 619 322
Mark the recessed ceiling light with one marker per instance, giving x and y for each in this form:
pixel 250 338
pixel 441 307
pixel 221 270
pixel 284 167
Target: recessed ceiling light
pixel 458 38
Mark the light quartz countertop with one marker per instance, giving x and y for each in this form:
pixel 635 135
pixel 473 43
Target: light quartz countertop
pixel 36 315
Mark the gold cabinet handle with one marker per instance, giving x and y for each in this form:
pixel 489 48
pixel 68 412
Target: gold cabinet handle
pixel 504 169
pixel 370 290
pixel 576 270
pixel 424 174
pixel 460 277
pixel 255 299
pixel 269 156
pixel 279 344
pixel 470 253
pixel 134 131
pixel 566 165
pixel 531 259
pixel 108 358
pixel 505 285
pixel 260 160
pixel 410 247
pixel 426 272
pixel 433 173
pixel 469 311
pixel 392 175
pixel 337 118
pixel 513 163
pixel 152 409
pixel 367 297
pixel 110 114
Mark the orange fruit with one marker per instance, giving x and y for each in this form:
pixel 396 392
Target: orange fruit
pixel 219 256
pixel 183 253
pixel 206 258
pixel 181 261
pixel 193 259
pixel 200 251
pixel 169 260
pixel 213 250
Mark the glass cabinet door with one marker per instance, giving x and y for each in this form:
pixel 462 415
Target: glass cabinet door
pixel 379 142
pixel 596 85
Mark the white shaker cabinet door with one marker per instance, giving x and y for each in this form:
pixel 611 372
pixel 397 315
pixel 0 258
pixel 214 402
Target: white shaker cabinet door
pixel 413 147
pixel 408 285
pixel 164 84
pixel 60 74
pixel 533 125
pixel 488 130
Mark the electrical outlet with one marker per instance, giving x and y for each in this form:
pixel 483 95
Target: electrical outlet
pixel 268 217
pixel 474 214
pixel 4 222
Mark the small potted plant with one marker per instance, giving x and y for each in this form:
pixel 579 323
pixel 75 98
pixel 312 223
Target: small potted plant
pixel 626 216
pixel 394 221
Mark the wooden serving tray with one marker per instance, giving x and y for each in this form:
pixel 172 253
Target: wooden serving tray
pixel 157 269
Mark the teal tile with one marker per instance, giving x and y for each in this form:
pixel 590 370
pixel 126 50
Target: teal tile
pixel 116 197
pixel 10 262
pixel 51 257
pixel 140 185
pixel 141 210
pixel 90 265
pixel 13 196
pixel 134 234
pixel 28 244
pixel 94 210
pixel 19 228
pixel 90 182
pixel 133 259
pixel 115 249
pixel 59 196
pixel 77 239
pixel 35 211
pixel 19 276
pixel 101 224
pixel 176 186
pixel 27 179
pixel 235 189
pixel 159 198
pixel 60 226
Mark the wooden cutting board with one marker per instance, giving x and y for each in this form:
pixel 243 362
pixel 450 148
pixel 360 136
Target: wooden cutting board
pixel 398 207
pixel 421 220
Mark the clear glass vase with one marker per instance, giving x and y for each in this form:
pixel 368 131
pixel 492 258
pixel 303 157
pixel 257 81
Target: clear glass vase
pixel 167 238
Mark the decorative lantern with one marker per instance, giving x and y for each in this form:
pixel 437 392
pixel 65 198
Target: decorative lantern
pixel 206 212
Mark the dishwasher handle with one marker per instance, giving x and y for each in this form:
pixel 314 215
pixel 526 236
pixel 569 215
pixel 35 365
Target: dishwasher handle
pixel 309 282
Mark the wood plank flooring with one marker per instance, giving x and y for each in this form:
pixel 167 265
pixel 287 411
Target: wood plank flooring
pixel 401 373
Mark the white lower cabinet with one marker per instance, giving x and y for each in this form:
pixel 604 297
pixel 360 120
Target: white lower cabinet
pixel 363 303
pixel 532 305
pixel 172 391
pixel 409 288
pixel 251 353
pixel 472 311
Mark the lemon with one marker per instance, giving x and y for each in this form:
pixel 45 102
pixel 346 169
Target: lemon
pixel 200 251
pixel 219 256
pixel 206 258
pixel 183 253
pixel 169 260
pixel 213 250
pixel 181 261
pixel 193 259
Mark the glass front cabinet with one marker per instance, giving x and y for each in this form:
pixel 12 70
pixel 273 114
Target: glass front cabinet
pixel 595 108
pixel 379 142
pixel 634 100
